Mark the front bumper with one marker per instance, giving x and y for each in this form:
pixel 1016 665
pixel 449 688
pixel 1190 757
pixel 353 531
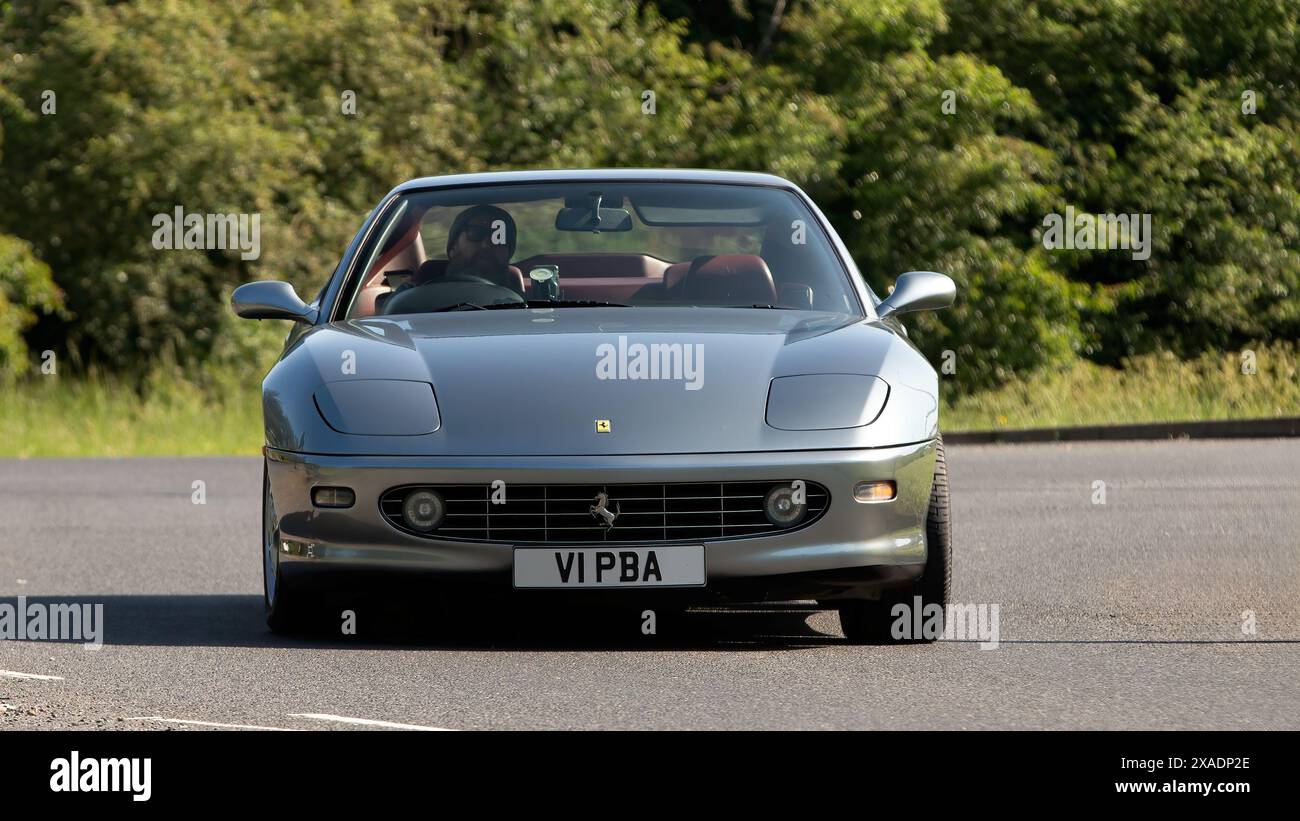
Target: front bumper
pixel 854 549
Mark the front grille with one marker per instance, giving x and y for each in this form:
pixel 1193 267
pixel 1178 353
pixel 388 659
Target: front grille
pixel 546 514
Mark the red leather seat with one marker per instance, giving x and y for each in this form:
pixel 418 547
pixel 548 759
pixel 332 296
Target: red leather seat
pixel 729 279
pixel 514 279
pixel 674 275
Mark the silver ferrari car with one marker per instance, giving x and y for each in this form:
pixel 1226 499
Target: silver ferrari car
pixel 637 385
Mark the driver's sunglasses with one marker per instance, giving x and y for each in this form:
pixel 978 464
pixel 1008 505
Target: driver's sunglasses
pixel 478 232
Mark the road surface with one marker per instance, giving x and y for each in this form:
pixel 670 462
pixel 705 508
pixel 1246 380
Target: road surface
pixel 1175 604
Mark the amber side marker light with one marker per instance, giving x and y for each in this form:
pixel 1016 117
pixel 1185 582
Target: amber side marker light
pixel 883 491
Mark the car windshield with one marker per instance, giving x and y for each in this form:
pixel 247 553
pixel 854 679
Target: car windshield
pixel 594 243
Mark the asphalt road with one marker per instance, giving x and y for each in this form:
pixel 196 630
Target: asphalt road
pixel 1127 614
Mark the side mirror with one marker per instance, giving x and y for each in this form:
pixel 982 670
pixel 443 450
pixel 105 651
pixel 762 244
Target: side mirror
pixel 918 291
pixel 270 299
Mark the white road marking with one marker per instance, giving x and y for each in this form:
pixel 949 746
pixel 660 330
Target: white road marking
pixel 32 676
pixel 368 722
pixel 210 724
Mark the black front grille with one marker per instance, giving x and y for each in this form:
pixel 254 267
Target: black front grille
pixel 543 514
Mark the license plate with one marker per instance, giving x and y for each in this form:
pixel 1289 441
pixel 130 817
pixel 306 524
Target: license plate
pixel 677 566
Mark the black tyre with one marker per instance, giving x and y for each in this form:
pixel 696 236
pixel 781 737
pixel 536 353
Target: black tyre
pixel 285 606
pixel 870 621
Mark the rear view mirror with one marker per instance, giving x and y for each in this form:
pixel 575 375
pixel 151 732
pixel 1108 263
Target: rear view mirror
pixel 598 220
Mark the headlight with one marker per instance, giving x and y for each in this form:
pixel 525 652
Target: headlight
pixel 423 510
pixel 781 507
pixel 825 401
pixel 379 407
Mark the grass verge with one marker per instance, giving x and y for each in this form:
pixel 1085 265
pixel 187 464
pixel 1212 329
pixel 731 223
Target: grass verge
pixel 170 415
pixel 1153 388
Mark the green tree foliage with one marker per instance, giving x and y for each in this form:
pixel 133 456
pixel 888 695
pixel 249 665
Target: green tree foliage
pixel 1225 268
pixel 924 185
pixel 1186 111
pixel 27 291
pixel 218 108
pixel 936 134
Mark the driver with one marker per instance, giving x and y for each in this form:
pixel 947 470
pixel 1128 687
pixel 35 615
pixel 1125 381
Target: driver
pixel 480 243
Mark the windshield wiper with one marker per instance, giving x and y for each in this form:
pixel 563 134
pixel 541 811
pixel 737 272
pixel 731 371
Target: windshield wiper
pixel 532 303
pixel 474 306
pixel 573 303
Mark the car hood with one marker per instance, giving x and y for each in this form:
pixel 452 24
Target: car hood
pixel 592 381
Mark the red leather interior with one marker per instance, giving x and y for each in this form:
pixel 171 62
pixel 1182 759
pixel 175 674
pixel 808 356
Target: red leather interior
pixel 608 289
pixel 599 265
pixel 730 279
pixel 395 248
pixel 674 274
pixel 726 279
pixel 604 277
pixel 371 298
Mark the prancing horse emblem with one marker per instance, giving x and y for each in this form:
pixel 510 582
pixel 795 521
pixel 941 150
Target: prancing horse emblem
pixel 601 509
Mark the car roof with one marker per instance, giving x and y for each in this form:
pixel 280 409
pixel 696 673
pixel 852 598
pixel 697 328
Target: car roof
pixel 593 174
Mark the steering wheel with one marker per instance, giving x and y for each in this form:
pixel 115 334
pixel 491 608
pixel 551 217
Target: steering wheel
pixel 468 278
pixel 441 293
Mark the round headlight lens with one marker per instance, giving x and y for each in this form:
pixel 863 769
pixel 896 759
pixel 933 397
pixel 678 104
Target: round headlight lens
pixel 781 508
pixel 423 510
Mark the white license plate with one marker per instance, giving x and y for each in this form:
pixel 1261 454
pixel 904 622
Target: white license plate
pixel 676 566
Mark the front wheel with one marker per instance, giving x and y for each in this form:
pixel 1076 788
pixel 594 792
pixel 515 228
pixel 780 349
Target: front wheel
pixel 284 607
pixel 871 621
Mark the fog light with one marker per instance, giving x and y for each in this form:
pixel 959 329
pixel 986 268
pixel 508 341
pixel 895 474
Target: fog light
pixel 423 510
pixel 781 507
pixel 296 548
pixel 883 491
pixel 332 496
